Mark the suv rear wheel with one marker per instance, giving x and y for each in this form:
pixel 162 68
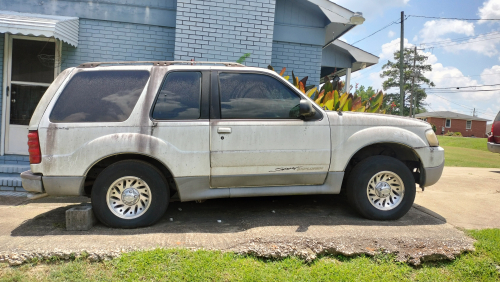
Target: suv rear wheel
pixel 381 188
pixel 130 194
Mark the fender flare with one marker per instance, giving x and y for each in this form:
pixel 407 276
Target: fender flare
pixel 361 139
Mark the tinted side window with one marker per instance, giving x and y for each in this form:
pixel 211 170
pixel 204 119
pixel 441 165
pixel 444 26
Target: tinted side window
pixel 179 97
pixel 256 96
pixel 99 96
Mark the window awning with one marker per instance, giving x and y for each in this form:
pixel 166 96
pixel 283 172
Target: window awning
pixel 60 27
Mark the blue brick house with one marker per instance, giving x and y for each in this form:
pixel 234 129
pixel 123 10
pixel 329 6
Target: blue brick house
pixel 40 38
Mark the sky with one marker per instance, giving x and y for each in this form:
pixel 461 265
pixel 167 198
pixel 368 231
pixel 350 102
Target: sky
pixel 472 60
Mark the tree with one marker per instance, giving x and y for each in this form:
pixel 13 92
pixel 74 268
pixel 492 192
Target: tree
pixel 391 72
pixel 365 93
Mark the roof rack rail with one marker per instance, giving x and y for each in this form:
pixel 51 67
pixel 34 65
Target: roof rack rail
pixel 158 63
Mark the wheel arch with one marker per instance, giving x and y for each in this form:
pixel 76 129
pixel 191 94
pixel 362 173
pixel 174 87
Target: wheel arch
pixel 400 151
pixel 98 166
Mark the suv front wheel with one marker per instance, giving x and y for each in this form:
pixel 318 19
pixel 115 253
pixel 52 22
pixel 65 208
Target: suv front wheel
pixel 381 188
pixel 130 194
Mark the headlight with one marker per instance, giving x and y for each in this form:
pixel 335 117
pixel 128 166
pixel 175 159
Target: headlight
pixel 431 138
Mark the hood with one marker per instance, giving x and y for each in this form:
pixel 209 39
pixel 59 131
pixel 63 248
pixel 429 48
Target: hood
pixel 372 119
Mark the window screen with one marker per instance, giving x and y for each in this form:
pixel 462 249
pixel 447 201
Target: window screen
pixel 179 97
pixel 256 96
pixel 99 96
pixel 448 123
pixel 468 124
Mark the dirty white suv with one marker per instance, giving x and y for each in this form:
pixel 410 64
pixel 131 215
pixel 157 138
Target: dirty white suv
pixel 133 136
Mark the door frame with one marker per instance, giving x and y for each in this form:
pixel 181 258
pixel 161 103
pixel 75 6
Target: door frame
pixel 285 175
pixel 7 65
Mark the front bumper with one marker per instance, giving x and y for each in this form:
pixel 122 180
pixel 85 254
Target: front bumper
pixel 432 164
pixel 53 185
pixel 431 175
pixel 494 147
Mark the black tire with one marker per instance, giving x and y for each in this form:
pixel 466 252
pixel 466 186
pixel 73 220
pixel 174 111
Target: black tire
pixel 158 186
pixel 360 177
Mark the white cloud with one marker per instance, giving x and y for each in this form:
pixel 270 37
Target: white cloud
pixel 370 8
pixel 435 29
pixel 388 49
pixel 491 76
pixel 391 34
pixel 490 10
pixel 434 34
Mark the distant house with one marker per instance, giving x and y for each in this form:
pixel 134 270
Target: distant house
pixel 446 121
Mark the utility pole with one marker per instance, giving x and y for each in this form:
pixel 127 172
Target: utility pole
pixel 401 61
pixel 414 73
pixel 474 112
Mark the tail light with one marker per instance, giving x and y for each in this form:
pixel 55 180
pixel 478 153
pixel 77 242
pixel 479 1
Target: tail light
pixel 490 138
pixel 34 147
pixel 495 135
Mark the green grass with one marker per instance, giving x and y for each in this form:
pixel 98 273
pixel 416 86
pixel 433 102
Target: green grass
pixel 185 265
pixel 464 142
pixel 468 152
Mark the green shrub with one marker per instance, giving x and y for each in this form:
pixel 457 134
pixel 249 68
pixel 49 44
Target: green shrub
pixel 454 134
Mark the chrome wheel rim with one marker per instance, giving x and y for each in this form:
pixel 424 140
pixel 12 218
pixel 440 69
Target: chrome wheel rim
pixel 385 190
pixel 129 197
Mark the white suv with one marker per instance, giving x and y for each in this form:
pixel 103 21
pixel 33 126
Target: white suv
pixel 134 135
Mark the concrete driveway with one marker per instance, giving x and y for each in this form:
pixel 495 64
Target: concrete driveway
pixel 466 197
pixel 271 227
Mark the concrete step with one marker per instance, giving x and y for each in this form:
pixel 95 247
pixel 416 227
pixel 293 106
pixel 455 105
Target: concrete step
pixel 13 168
pixel 11 183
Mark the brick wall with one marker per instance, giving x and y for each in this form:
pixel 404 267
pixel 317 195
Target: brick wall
pixel 302 59
pixel 116 41
pixel 224 30
pixel 478 128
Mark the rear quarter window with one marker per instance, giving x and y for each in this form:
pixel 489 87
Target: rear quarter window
pixel 99 96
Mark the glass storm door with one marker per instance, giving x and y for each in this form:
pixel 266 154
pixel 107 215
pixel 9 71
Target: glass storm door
pixel 30 72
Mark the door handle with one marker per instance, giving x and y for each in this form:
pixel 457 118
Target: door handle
pixel 223 130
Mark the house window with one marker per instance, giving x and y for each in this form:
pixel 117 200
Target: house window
pixel 468 124
pixel 448 123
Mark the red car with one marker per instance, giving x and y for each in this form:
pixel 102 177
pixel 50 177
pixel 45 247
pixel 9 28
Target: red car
pixel 494 138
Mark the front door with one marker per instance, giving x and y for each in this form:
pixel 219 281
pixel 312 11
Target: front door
pixel 31 69
pixel 259 138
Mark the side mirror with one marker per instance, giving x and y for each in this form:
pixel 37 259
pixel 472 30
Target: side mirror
pixel 306 109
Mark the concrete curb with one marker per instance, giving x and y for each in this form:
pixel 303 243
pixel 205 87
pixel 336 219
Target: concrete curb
pixel 406 250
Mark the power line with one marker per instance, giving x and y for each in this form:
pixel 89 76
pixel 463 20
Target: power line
pixel 494 73
pixel 458 43
pixel 392 23
pixel 458 87
pixel 462 38
pixel 460 91
pixel 469 108
pixel 461 19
